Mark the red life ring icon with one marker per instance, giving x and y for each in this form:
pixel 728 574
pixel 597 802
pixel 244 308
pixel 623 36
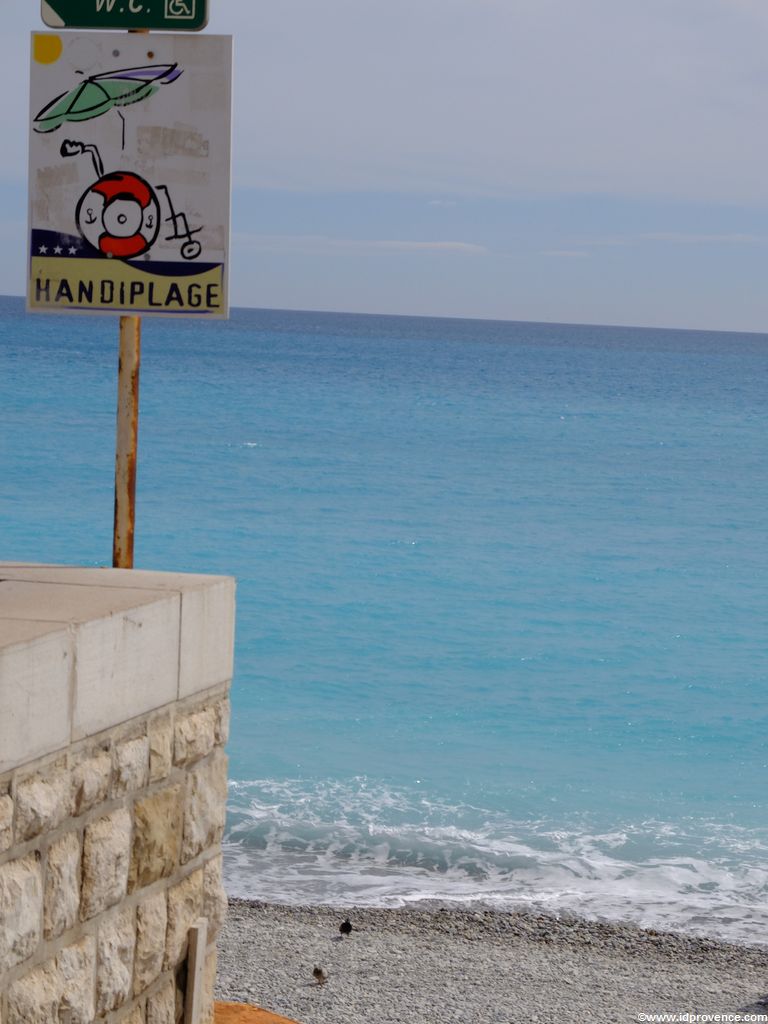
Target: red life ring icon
pixel 119 215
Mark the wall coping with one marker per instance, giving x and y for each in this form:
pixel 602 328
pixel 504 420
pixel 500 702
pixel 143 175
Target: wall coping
pixel 84 649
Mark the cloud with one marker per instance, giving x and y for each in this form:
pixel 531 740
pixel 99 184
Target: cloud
pixel 579 253
pixel 687 238
pixel 318 244
pixel 405 246
pixel 678 238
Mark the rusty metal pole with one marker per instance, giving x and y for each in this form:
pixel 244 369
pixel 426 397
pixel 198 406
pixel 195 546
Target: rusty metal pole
pixel 127 445
pixel 127 441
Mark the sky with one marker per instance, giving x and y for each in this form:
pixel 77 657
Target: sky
pixel 580 161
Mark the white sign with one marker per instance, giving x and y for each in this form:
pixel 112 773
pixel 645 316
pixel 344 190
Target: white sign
pixel 129 173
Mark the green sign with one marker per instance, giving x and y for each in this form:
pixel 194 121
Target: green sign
pixel 164 15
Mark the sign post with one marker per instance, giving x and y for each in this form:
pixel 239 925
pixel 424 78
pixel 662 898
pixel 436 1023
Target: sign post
pixel 126 436
pixel 127 441
pixel 129 195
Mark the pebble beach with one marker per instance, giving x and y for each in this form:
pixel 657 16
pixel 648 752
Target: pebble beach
pixel 439 964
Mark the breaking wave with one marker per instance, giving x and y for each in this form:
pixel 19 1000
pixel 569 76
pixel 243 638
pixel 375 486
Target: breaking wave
pixel 358 842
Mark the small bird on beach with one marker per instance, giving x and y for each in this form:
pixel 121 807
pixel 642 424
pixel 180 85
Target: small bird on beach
pixel 320 975
pixel 345 927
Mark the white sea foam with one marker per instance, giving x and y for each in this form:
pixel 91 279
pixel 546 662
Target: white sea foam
pixel 337 843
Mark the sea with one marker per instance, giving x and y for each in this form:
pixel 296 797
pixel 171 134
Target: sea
pixel 502 593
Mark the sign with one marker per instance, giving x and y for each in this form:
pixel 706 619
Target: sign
pixel 129 174
pixel 170 15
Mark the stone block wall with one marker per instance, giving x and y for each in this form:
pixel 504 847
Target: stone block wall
pixel 110 841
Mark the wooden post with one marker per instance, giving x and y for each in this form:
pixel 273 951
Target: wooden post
pixel 127 441
pixel 193 1000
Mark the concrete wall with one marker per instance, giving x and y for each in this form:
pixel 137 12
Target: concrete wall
pixel 114 712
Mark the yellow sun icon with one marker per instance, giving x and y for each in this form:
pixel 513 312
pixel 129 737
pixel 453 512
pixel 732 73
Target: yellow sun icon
pixel 46 48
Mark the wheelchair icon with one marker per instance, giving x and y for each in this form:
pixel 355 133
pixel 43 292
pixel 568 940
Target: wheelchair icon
pixel 179 8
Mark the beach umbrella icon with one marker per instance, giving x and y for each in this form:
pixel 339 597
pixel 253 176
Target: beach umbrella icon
pixel 98 94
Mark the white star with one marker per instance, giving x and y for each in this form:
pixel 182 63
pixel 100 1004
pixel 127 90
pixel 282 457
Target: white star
pixel 43 250
pixel 72 250
pixel 57 250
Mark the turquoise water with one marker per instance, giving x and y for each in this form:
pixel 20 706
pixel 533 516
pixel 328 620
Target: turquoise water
pixel 501 592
